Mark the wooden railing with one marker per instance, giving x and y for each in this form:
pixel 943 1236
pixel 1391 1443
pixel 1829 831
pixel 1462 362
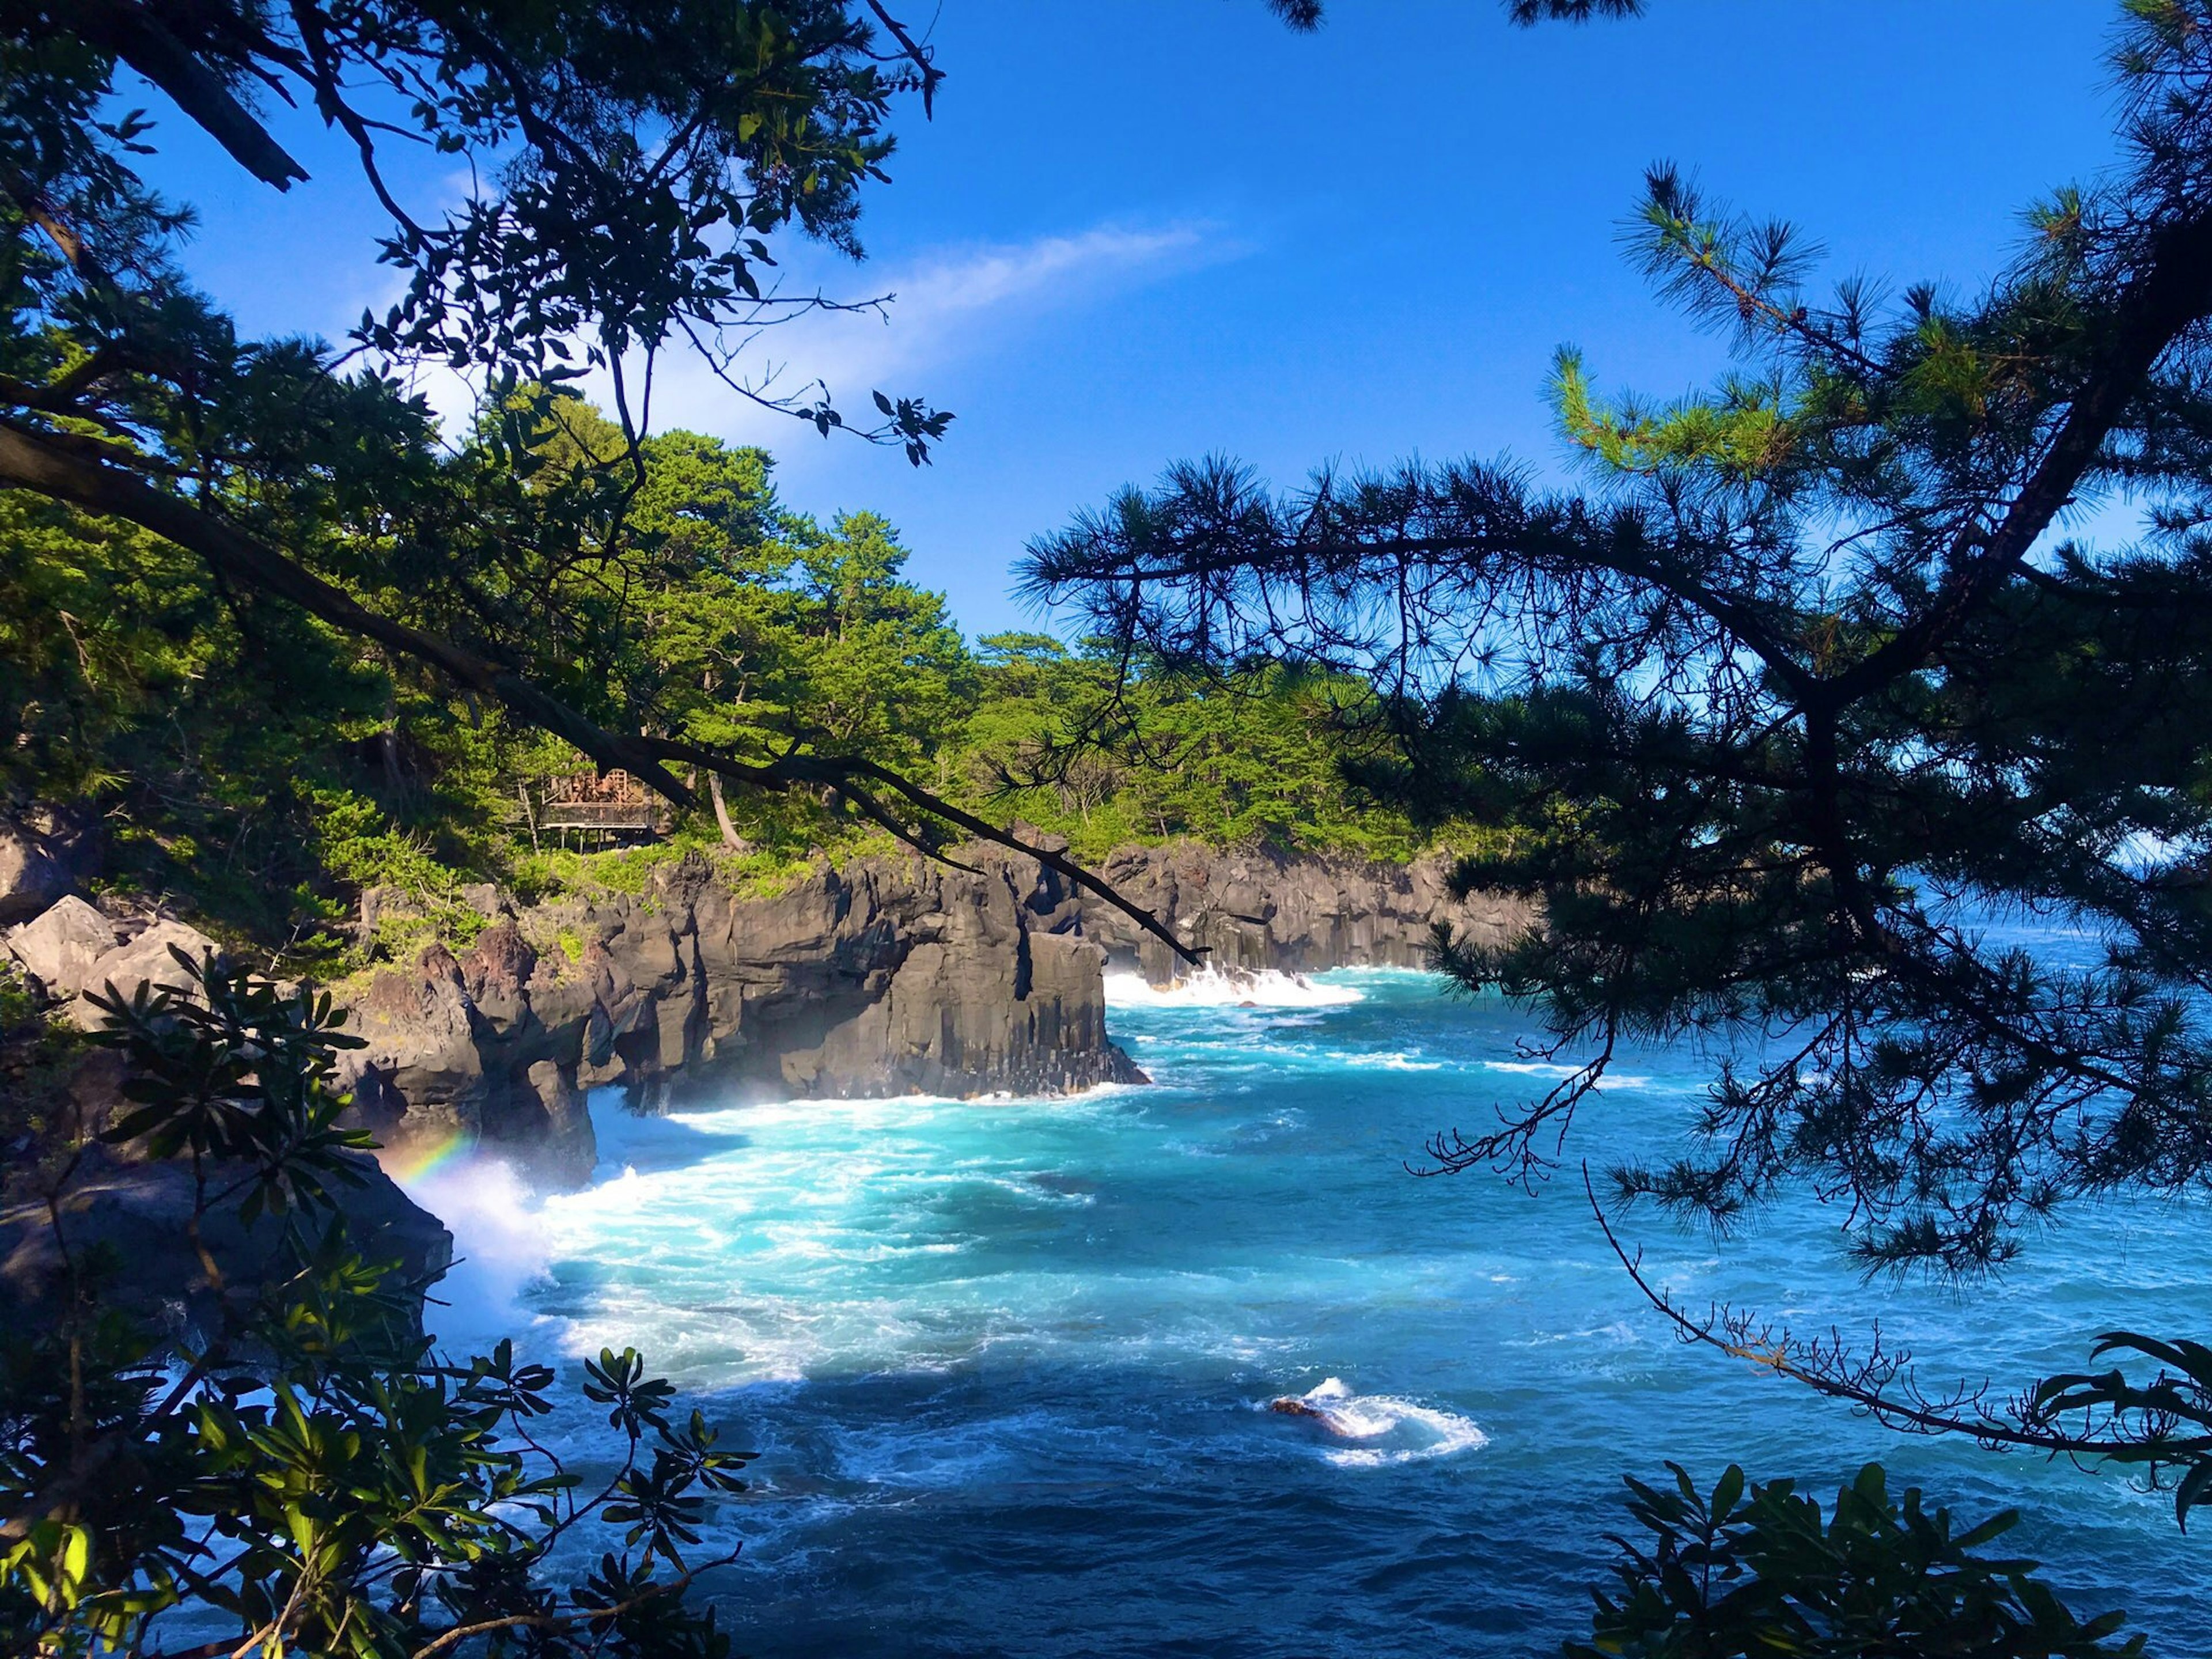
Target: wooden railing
pixel 615 806
pixel 594 815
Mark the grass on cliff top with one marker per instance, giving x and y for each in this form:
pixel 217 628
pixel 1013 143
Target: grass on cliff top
pixel 435 912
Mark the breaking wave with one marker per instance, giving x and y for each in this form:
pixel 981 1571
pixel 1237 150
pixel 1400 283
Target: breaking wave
pixel 1388 1429
pixel 1215 988
pixel 988 1345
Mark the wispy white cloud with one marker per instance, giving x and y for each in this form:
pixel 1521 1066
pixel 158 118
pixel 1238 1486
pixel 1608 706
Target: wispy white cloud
pixel 950 306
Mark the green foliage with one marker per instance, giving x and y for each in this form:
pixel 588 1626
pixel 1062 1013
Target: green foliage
pixel 269 777
pixel 635 163
pixel 37 1057
pixel 1804 687
pixel 2160 1426
pixel 1809 684
pixel 195 726
pixel 1760 1571
pixel 311 1475
pixel 359 846
pixel 758 629
pixel 1067 739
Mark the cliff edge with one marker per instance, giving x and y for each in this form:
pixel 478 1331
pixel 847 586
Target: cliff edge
pixel 1255 908
pixel 880 976
pixel 884 977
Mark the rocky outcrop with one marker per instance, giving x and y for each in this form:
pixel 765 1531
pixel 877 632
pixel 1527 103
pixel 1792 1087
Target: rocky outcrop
pixel 43 851
pixel 886 976
pixel 1251 909
pixel 117 1225
pixel 72 949
pixel 58 948
pixel 121 1224
pixel 31 878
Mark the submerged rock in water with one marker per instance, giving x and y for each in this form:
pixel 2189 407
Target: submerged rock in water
pixel 1386 1428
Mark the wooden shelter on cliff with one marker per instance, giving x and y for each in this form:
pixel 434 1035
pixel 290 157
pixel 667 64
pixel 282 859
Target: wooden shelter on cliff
pixel 593 810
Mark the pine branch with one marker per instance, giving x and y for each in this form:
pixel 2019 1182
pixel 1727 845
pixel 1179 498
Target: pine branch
pixel 30 461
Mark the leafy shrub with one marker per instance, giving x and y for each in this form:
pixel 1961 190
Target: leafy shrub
pixel 1760 1572
pixel 312 1476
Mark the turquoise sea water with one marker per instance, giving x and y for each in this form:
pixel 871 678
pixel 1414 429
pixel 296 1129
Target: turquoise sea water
pixel 1007 1361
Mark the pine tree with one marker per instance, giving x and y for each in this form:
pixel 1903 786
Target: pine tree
pixel 1811 682
pixel 640 164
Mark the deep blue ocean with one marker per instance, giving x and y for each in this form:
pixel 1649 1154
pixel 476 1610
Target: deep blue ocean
pixel 1007 1361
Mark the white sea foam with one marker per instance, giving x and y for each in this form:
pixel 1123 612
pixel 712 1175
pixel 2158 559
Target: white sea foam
pixel 782 1242
pixel 1389 1061
pixel 1212 988
pixel 1391 1429
pixel 501 1246
pixel 1554 1069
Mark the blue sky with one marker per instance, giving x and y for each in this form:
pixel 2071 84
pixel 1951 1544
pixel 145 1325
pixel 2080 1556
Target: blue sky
pixel 1146 230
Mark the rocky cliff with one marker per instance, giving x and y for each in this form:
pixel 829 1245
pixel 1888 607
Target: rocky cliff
pixel 1254 910
pixel 883 977
pixel 886 976
pixel 112 1211
pixel 123 1221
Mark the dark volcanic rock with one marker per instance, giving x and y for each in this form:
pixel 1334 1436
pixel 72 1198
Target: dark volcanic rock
pixel 125 1223
pixel 500 965
pixel 1253 909
pixel 887 976
pixel 45 851
pixel 31 876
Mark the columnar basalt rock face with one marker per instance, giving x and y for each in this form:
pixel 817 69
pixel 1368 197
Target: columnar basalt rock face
pixel 887 976
pixel 1249 910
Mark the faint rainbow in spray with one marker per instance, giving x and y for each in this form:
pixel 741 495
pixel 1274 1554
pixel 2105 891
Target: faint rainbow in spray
pixel 424 1155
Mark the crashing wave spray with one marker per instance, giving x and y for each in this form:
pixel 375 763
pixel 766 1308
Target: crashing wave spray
pixel 1215 988
pixel 501 1244
pixel 1397 1430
